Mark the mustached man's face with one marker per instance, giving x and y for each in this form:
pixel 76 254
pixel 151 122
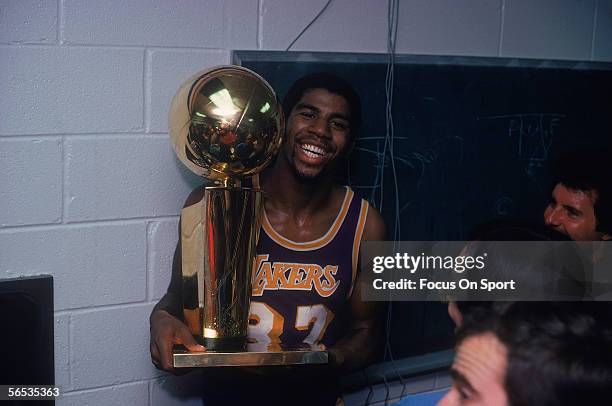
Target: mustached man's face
pixel 318 131
pixel 572 213
pixel 478 372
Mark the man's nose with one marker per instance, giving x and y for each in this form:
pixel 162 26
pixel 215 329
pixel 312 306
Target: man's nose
pixel 552 216
pixel 320 127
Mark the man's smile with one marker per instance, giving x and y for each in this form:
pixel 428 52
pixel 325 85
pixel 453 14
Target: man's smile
pixel 313 151
pixel 313 154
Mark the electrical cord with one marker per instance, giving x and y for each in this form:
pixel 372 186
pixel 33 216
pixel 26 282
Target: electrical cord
pixel 309 24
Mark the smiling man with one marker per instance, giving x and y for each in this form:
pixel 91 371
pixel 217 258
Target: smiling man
pixel 306 279
pixel 306 264
pixel 581 203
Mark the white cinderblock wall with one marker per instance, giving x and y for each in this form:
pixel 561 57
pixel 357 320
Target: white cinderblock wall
pixel 89 188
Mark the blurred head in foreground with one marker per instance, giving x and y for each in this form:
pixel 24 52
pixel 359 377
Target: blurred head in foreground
pixel 548 354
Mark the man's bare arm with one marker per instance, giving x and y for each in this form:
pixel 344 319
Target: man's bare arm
pixel 166 321
pixel 359 346
pixel 171 302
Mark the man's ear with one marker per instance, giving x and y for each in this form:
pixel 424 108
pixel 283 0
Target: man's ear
pixel 606 237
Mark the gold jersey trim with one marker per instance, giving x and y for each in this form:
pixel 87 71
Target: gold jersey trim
pixel 363 215
pixel 319 242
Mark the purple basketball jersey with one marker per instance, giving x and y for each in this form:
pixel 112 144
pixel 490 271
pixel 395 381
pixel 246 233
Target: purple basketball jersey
pixel 301 289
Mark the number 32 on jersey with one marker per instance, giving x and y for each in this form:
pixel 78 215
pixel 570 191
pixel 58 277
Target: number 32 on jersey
pixel 266 325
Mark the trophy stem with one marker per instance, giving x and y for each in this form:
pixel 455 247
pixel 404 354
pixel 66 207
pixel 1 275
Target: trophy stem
pixel 218 239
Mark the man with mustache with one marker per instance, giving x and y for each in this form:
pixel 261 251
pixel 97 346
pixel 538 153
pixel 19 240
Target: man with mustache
pixel 306 277
pixel 581 201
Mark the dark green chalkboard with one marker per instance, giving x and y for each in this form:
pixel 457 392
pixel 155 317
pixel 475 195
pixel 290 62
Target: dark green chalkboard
pixel 473 141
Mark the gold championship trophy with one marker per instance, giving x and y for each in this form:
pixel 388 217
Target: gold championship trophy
pixel 226 124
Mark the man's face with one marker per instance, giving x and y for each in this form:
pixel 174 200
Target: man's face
pixel 571 212
pixel 479 371
pixel 317 132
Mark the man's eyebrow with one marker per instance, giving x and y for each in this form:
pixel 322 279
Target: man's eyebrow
pixel 302 105
pixel 459 378
pixel 341 116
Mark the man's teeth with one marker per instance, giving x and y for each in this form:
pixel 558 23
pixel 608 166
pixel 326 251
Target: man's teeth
pixel 313 151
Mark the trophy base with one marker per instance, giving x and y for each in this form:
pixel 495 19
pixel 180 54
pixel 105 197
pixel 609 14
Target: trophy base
pixel 226 344
pixel 182 358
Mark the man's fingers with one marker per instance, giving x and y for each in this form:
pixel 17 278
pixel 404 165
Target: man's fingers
pixel 155 355
pixel 160 359
pixel 184 337
pixel 165 332
pixel 336 358
pixel 167 361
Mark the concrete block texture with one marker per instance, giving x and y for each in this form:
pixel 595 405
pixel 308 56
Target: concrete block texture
pixel 449 27
pixel 56 90
pixel 30 181
pixel 61 331
pixel 548 29
pixel 111 346
pixel 240 18
pixel 182 390
pixel 28 21
pixel 345 26
pixel 133 394
pixel 168 70
pixel 91 265
pixel 230 24
pixel 114 177
pixel 602 41
pixel 188 23
pixel 161 243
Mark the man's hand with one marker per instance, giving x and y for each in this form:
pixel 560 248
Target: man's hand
pixel 167 330
pixel 335 356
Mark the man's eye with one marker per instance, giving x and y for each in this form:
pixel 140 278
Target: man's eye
pixel 339 125
pixel 307 114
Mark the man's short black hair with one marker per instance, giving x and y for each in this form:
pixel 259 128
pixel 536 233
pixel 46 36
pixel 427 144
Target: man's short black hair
pixel 558 353
pixel 332 84
pixel 587 169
